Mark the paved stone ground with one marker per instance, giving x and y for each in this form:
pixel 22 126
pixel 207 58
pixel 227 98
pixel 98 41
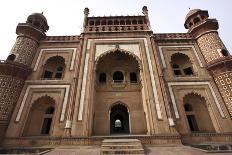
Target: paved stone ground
pixel 150 150
pixel 83 150
pixel 177 150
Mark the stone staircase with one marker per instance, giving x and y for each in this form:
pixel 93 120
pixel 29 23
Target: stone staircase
pixel 122 146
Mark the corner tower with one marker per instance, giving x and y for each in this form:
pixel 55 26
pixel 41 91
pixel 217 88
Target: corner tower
pixel 218 59
pixel 15 69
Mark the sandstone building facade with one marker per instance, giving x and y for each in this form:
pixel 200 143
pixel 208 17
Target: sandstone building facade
pixel 116 78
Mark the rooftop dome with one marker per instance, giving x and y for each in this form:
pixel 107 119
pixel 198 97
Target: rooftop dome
pixel 38 20
pixel 191 12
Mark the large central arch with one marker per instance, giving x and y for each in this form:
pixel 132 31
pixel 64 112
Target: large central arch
pixel 117 78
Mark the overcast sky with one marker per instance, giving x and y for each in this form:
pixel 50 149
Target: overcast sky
pixel 65 17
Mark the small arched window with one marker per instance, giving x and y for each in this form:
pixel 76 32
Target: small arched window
pixel 97 23
pixel 133 77
pixel 176 69
pixel 91 23
pixel 140 22
pixel 11 57
pixel 110 22
pixel 188 107
pixel 118 77
pixel 224 52
pixel 181 65
pixel 102 78
pixel 103 22
pixel 50 110
pixel 54 68
pixel 128 22
pixel 116 22
pixel 196 20
pixel 59 72
pixel 122 22
pixel 134 22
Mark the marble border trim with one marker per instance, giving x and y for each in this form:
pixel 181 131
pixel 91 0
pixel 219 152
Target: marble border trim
pixel 55 50
pixel 29 87
pixel 83 88
pixel 155 93
pixel 153 83
pixel 170 84
pixel 162 55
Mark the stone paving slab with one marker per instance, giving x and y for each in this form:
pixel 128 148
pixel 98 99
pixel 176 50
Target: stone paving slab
pixel 178 150
pixel 84 150
pixel 149 150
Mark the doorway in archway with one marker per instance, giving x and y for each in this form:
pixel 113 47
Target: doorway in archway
pixel 119 120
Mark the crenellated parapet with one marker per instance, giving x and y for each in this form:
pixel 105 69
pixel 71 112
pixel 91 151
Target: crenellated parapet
pixel 116 23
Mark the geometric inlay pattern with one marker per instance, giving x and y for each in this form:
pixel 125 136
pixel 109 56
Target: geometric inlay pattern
pixel 10 89
pixel 224 82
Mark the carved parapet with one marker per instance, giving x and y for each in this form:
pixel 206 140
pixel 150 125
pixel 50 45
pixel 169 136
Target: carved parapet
pixel 176 36
pixel 116 28
pixel 61 39
pixel 116 24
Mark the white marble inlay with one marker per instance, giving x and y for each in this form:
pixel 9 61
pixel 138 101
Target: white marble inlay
pixel 170 84
pixel 83 88
pixel 56 50
pixel 29 87
pixel 163 59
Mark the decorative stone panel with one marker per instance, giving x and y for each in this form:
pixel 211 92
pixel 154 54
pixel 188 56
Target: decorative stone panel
pixel 224 83
pixel 24 49
pixel 10 89
pixel 210 45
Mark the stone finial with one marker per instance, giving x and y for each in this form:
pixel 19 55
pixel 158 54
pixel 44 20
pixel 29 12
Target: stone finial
pixel 86 11
pixel 145 11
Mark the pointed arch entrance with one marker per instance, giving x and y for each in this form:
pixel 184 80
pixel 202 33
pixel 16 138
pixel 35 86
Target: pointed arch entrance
pixel 117 77
pixel 40 117
pixel 119 120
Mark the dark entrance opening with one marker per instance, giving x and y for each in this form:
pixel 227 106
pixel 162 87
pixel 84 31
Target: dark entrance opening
pixel 119 120
pixel 192 123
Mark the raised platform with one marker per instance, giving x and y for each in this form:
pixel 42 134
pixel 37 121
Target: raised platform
pixel 37 141
pixel 157 140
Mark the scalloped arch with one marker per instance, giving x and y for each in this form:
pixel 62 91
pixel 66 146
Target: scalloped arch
pixel 53 101
pixel 183 54
pixel 55 57
pixel 195 93
pixel 122 51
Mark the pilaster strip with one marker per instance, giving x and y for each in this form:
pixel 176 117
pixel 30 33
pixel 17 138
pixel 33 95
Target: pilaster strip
pixel 83 88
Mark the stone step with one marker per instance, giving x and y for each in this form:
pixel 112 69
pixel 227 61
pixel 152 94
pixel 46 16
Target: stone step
pixel 121 146
pixel 122 151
